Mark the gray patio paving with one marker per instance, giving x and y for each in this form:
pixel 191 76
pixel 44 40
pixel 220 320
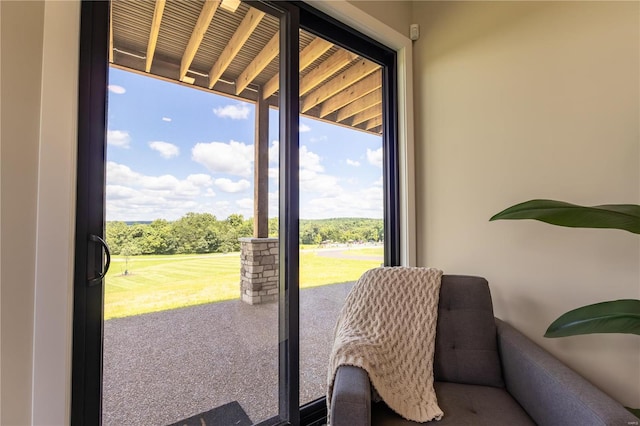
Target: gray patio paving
pixel 163 367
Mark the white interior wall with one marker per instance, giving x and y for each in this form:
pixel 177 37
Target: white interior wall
pixel 56 215
pixel 21 45
pixel 523 100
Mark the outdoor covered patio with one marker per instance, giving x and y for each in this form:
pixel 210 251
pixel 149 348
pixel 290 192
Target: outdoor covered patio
pixel 167 366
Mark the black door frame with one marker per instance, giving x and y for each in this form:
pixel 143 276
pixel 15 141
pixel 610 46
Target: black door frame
pixel 86 393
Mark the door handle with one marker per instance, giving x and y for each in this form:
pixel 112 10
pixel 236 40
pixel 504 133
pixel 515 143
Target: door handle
pixel 105 268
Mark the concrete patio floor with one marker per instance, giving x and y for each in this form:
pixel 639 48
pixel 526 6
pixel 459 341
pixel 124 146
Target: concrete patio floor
pixel 163 367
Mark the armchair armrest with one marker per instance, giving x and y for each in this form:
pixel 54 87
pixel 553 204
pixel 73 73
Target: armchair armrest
pixel 550 392
pixel 351 399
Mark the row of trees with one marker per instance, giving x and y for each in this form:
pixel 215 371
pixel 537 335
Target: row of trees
pixel 204 233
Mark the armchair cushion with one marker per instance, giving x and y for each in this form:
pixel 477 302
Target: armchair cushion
pixel 464 405
pixel 466 350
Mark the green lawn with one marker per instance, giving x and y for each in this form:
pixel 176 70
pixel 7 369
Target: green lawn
pixel 157 283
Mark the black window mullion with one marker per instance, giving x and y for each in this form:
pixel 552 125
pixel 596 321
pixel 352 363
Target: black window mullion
pixel 86 396
pixel 391 178
pixel 289 212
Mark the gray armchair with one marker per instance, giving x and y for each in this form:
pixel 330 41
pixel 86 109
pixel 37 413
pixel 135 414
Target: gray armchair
pixel 486 373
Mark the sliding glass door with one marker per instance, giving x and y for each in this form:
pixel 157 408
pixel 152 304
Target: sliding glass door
pixel 239 158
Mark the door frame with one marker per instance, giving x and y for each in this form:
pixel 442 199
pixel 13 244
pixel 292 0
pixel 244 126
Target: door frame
pixel 86 391
pixel 86 395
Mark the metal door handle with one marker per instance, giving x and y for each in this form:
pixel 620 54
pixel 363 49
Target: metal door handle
pixel 100 274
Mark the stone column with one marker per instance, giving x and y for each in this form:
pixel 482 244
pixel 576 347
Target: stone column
pixel 258 270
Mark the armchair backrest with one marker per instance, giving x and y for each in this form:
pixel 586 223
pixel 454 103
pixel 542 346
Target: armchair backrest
pixel 466 348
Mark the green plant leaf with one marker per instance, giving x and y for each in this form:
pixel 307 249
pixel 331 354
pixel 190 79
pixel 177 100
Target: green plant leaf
pixel 634 411
pixel 613 216
pixel 616 316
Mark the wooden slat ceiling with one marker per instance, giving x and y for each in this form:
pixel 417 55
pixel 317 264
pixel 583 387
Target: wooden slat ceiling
pixel 231 49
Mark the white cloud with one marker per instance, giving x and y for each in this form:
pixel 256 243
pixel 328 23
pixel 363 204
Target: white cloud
pixel 135 196
pixel 118 90
pixel 309 160
pixel 227 185
pixel 318 183
pixel 274 152
pixel 200 179
pixel 311 177
pixel 304 128
pixel 166 149
pixel 235 111
pixel 234 158
pixel 119 192
pixel 167 119
pixel 353 163
pixel 244 206
pixel 318 139
pixel 245 203
pixel 119 138
pixel 375 157
pixel 367 202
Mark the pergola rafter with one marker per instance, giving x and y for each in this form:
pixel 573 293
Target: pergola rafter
pixel 153 33
pixel 362 88
pixel 141 38
pixel 206 15
pixel 367 114
pixel 239 38
pixel 266 55
pixel 231 48
pixel 338 83
pixel 326 69
pixel 308 55
pixel 359 105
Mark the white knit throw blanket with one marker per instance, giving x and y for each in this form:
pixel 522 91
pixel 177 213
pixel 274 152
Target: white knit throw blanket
pixel 387 327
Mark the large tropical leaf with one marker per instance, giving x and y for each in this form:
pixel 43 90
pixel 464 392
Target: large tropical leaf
pixel 616 316
pixel 634 411
pixel 615 216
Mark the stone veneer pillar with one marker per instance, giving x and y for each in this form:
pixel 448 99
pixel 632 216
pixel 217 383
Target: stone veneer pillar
pixel 258 270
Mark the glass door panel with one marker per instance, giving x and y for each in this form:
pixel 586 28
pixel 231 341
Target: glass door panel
pixel 341 192
pixel 191 300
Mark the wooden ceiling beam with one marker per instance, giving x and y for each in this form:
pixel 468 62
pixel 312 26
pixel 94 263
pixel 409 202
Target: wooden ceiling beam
pixel 373 123
pixel 237 41
pixel 326 69
pixel 153 34
pixel 206 15
pixel 365 86
pixel 361 104
pixel 309 54
pixel 230 5
pixel 340 82
pixel 367 114
pixel 259 63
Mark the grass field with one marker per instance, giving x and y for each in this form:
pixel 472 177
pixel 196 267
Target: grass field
pixel 157 283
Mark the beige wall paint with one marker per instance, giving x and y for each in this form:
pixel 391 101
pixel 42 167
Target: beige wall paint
pixel 56 215
pixel 394 13
pixel 21 45
pixel 522 100
pixel 39 42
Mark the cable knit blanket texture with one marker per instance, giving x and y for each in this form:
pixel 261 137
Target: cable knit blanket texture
pixel 387 327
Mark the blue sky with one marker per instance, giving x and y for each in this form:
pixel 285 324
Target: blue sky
pixel 173 149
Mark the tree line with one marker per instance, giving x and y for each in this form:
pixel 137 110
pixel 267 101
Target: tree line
pixel 204 233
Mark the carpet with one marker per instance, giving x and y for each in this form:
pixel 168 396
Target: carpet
pixel 230 414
